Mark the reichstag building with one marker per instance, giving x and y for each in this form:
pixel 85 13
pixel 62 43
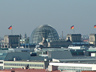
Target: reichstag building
pixel 43 33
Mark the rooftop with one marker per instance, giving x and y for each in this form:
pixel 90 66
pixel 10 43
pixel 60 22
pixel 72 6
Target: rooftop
pixel 27 70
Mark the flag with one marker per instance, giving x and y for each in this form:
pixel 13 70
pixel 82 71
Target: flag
pixel 94 26
pixel 72 27
pixel 10 28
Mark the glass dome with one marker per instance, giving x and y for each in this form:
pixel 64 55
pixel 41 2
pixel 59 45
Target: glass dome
pixel 43 31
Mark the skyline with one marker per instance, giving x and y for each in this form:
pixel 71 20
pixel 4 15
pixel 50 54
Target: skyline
pixel 26 15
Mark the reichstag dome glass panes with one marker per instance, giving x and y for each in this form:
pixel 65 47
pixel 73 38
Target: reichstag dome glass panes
pixel 43 31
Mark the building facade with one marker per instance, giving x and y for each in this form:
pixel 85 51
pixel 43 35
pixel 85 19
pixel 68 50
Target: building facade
pixel 74 66
pixel 74 37
pixel 11 41
pixel 92 39
pixel 22 64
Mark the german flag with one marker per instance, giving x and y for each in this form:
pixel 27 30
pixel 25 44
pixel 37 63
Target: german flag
pixel 72 27
pixel 10 28
pixel 94 26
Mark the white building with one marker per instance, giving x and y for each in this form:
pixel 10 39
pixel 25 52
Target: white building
pixel 74 66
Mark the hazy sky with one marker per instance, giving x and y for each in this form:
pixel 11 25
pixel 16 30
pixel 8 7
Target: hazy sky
pixel 26 15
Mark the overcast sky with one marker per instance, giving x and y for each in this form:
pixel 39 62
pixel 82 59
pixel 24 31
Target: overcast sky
pixel 26 15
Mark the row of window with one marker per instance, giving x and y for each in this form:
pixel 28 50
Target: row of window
pixel 75 68
pixel 36 65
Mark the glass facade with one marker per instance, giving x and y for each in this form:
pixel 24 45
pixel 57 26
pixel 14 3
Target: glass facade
pixel 43 31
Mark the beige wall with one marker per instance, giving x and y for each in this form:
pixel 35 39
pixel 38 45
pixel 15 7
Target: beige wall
pixel 92 39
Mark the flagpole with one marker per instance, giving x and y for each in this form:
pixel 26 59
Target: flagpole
pixel 94 26
pixel 74 31
pixel 11 32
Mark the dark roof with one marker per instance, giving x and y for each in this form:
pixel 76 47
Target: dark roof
pixel 21 56
pixel 18 56
pixel 80 59
pixel 60 54
pixel 38 58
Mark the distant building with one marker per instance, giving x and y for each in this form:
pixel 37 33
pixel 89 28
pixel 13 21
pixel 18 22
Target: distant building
pixel 11 41
pixel 47 36
pixel 24 40
pixel 92 39
pixel 74 37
